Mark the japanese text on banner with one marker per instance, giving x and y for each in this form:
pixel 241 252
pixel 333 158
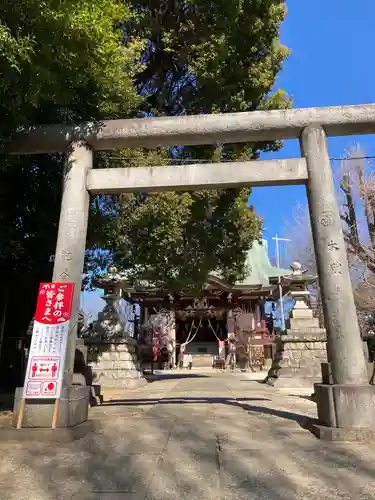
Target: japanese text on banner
pixel 45 368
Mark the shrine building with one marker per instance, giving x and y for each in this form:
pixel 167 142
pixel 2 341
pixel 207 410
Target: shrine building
pixel 202 321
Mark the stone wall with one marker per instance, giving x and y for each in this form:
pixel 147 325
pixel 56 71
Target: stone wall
pixel 114 364
pixel 298 359
pixel 301 350
pixel 302 355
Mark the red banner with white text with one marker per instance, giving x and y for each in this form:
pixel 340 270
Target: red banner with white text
pixel 45 368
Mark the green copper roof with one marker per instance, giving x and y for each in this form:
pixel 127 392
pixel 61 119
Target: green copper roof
pixel 260 269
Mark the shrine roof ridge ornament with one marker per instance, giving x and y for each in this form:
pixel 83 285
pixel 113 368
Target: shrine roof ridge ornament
pixel 196 129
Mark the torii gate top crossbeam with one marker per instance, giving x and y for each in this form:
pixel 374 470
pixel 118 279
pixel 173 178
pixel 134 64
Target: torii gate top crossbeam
pixel 197 129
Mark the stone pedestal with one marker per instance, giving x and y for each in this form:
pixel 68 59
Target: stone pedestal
pixel 81 374
pixel 112 357
pixel 297 360
pixel 74 404
pixel 345 412
pixel 301 318
pixel 114 364
pixel 299 353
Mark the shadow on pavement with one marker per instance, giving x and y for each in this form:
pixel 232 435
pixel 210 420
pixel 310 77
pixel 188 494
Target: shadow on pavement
pixel 242 403
pixel 138 453
pixel 177 401
pixel 301 396
pixel 157 377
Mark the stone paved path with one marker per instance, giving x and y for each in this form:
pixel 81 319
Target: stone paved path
pixel 193 436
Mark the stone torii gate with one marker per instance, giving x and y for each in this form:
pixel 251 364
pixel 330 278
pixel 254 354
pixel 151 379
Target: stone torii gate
pixel 348 402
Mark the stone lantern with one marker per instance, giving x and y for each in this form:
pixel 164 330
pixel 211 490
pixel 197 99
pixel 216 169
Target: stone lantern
pixel 109 325
pixel 301 317
pixel 112 354
pixel 301 351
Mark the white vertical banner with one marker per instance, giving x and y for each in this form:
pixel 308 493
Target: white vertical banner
pixel 45 367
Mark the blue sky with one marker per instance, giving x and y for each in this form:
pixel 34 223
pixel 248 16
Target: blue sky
pixel 330 65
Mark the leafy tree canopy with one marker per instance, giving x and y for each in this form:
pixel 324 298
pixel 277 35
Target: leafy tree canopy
pixel 200 57
pixel 95 59
pixel 60 62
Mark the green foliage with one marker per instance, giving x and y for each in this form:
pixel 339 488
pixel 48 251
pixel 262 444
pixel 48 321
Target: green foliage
pixel 60 62
pixel 209 56
pixel 201 57
pixel 63 62
pixel 173 240
pixel 55 56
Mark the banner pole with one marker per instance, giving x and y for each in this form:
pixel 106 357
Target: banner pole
pixel 21 413
pixel 55 413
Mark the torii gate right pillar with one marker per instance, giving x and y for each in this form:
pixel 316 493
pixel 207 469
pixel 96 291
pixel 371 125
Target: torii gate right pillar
pixel 346 403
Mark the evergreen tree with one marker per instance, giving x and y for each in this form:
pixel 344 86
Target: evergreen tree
pixel 201 56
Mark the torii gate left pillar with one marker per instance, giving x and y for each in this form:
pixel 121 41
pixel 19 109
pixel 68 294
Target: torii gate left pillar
pixel 68 266
pixel 72 233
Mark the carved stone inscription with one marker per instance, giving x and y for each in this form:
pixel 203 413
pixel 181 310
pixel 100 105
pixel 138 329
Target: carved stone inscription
pixel 68 256
pixel 332 245
pixel 326 219
pixel 64 276
pixel 71 228
pixel 336 268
